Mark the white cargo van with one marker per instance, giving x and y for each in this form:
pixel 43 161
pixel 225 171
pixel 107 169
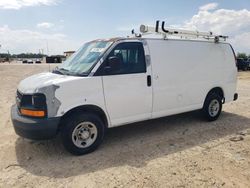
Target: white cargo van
pixel 118 81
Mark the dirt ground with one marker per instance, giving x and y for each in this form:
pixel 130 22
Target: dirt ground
pixel 176 151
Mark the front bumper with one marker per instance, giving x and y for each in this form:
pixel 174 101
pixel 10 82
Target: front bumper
pixel 34 128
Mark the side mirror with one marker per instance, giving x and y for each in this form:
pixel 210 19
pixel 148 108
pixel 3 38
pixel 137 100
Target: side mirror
pixel 113 64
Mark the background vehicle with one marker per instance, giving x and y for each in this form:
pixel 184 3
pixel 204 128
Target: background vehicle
pixel 242 64
pixel 113 82
pixel 248 62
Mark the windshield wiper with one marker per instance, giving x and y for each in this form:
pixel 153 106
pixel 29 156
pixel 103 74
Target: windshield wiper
pixel 60 71
pixel 79 74
pixel 64 71
pixel 57 72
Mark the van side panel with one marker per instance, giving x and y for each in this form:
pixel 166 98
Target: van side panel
pixel 185 71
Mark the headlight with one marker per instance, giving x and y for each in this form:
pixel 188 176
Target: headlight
pixel 38 100
pixel 32 105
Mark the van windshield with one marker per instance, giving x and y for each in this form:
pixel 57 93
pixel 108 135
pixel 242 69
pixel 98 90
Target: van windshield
pixel 84 59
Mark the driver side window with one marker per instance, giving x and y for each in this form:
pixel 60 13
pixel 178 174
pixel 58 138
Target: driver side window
pixel 131 59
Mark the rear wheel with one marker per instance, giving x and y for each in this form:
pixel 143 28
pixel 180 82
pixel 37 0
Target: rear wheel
pixel 82 133
pixel 212 107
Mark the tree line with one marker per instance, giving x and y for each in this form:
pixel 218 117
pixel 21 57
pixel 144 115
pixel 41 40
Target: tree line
pixel 243 56
pixel 38 55
pixel 22 55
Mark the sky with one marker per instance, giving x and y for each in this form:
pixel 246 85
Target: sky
pixel 55 26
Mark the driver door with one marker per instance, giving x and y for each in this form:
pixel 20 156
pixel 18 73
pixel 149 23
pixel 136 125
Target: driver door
pixel 128 90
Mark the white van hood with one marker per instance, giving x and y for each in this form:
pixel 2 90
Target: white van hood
pixel 32 84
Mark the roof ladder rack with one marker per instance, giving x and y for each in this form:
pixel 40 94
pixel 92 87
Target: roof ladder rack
pixel 186 34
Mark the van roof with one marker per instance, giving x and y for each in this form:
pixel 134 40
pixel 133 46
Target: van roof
pixel 115 39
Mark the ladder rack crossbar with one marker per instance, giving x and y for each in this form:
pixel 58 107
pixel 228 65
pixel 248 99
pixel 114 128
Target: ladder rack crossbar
pixel 182 33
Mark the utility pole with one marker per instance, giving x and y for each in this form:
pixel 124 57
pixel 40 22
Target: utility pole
pixel 48 52
pixel 8 55
pixel 47 44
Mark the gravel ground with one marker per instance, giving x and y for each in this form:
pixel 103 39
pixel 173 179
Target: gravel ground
pixel 176 151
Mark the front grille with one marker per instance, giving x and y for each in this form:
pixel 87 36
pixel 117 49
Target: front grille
pixel 19 95
pixel 18 98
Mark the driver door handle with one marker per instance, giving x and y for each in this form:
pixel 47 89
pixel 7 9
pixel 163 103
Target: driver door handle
pixel 149 81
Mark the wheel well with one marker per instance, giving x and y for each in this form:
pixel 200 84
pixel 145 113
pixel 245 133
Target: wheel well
pixel 90 109
pixel 218 91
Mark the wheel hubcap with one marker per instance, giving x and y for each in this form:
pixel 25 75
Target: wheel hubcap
pixel 214 108
pixel 84 134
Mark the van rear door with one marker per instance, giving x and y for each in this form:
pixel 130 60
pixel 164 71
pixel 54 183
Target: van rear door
pixel 127 90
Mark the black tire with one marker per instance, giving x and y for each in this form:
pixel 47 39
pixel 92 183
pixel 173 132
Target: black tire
pixel 207 111
pixel 69 126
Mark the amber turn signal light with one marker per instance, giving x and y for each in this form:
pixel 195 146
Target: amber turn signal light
pixel 33 113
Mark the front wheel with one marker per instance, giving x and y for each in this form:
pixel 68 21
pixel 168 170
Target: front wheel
pixel 212 107
pixel 82 133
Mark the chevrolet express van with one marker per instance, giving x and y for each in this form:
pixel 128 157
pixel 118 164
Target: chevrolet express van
pixel 109 83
